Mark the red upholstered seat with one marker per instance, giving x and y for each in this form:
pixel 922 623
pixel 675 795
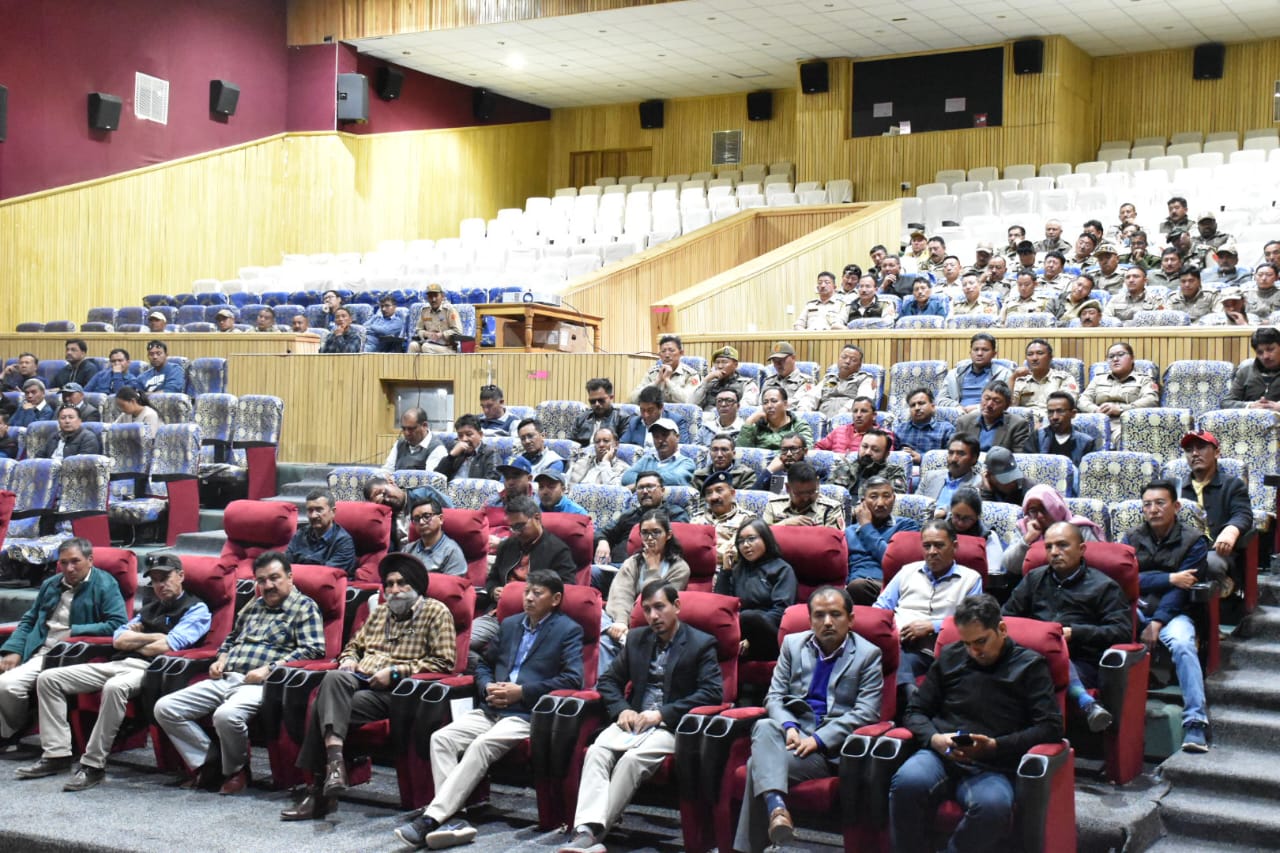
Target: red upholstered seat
pixel 470 529
pixel 578 532
pixel 905 548
pixel 7 499
pixel 699 544
pixel 253 527
pixel 370 527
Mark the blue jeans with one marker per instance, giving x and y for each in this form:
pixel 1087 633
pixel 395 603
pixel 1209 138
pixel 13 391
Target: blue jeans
pixel 1179 637
pixel 925 781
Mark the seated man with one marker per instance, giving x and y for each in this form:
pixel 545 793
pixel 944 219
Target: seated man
pixel 162 375
pixel 848 438
pixel 1027 301
pixel 1090 607
pixel 983 704
pixel 225 321
pixel 76 600
pixel 299 325
pixel 670 669
pixel 408 634
pixel 786 375
pixel 551 496
pixel 838 391
pixel 157 323
pixel 774 476
pixel 721 457
pixel 72 439
pixel 1135 297
pixel 15 376
pixel 417 449
pixel 438 326
pixel 1002 480
pixel 1071 303
pixel 863 304
pixel 724 376
pixel 9 441
pixel 599 465
pixel 1171 560
pixel 674 467
pixel 380 490
pixel 921 595
pixel 278 626
pixel 470 457
pixel 602 414
pixel 923 303
pixel 962 459
pixel 171 620
pixel 322 542
pixel 923 431
pixel 1037 378
pixel 611 540
pixel 1263 297
pixel 1168 273
pixel 1225 501
pixel 993 425
pixel 73 395
pixel 344 338
pixel 535 457
pixel 1232 310
pixel 825 313
pixel 723 419
pixel 828 682
pixel 966 382
pixel 651 410
pixel 871 461
pixel 1054 280
pixel 497 420
pixel 868 536
pixel 436 551
pixel 722 510
pixel 1191 297
pixel 675 379
pixel 1091 314
pixel 385 331
pixel 115 377
pixel 972 301
pixel 1256 385
pixel 78 369
pixel 803 505
pixel 34 405
pixel 265 322
pixel 536 651
pixel 1228 273
pixel 1052 241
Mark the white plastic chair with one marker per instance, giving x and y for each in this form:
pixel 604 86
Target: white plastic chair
pixel 1092 167
pixel 1260 133
pixel 840 191
pixel 975 204
pixel 1055 170
pixel 1081 181
pixel 1184 149
pixel 961 187
pixel 1019 171
pixel 1130 165
pixel 928 190
pixel 1249 155
pixel 1222 146
pixel 949 177
pixel 1206 160
pixel 912 210
pixel 1003 185
pixel 939 208
pixel 1187 136
pixel 783 200
pixel 813 197
pixel 1036 185
pixel 1167 164
pixel 1055 204
pixel 566 191
pixel 984 174
pixel 1017 203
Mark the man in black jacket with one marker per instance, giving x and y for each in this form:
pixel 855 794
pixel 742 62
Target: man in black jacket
pixel 611 541
pixel 1089 606
pixel 1225 501
pixel 72 438
pixel 1256 385
pixel 985 702
pixel 469 457
pixel 672 668
pixel 73 395
pixel 602 414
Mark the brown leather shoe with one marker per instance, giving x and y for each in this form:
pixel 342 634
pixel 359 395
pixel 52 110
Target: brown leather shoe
pixel 312 807
pixel 335 778
pixel 206 777
pixel 236 782
pixel 781 829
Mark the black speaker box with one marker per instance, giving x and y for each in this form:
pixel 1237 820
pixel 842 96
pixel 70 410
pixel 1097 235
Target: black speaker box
pixel 813 78
pixel 1208 62
pixel 4 113
pixel 223 97
pixel 651 115
pixel 389 81
pixel 104 111
pixel 1028 56
pixel 482 104
pixel 353 97
pixel 759 106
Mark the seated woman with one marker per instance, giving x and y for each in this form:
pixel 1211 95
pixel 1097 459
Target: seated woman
pixel 660 556
pixel 1042 507
pixel 136 409
pixel 343 338
pixel 965 516
pixel 764 583
pixel 1120 389
pixel 773 422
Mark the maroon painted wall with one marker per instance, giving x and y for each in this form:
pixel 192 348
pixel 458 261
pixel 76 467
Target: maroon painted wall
pixel 313 104
pixel 55 52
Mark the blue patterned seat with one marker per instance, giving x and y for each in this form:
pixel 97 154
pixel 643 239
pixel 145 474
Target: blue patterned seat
pixel 172 408
pixel 916 323
pixel 347 481
pixel 468 493
pixel 211 297
pixel 1031 320
pixel 190 314
pixel 916 507
pixel 1094 510
pixel 505 447
pixel 316 318
pixel 29 327
pixel 1074 366
pixel 522 412
pixel 1002 518
pixel 1252 435
pixel 933 460
pixel 682 496
pixel 557 416
pixel 247 313
pixel 627 453
pixel 253 448
pixel 97 327
pixel 603 503
pixel 1200 386
pixel 753 501
pixel 906 376
pixel 1126 515
pixel 1049 469
pixel 755 458
pixel 1140 365
pixel 1097 425
pixel 285 314
pixel 131 448
pixel 1116 475
pixel 688 416
pixel 215 414
pixel 133 314
pixel 199 328
pixel 695 452
pixel 823 461
pixel 697 362
pixel 175 467
pixel 156 300
pixel 6 471
pixel 565 449
pixel 38 435
pixel 415 479
pixel 36 484
pixel 902 459
pixel 871 323
pixel 1155 431
pixel 972 321
pixel 274 297
pixel 59 326
pixel 817 423
pixel 1163 317
pixel 751 371
pixel 840 495
pixel 207 376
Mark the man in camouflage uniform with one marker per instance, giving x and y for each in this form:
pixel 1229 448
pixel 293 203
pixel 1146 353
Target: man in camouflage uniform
pixel 787 377
pixel 1068 306
pixel 672 376
pixel 724 374
pixel 438 325
pixel 722 511
pixel 1035 380
pixel 835 394
pixel 1169 271
pixel 826 312
pixel 1191 297
pixel 1207 237
pixel 854 471
pixel 1107 276
pixel 1135 298
pixel 804 504
pixel 1053 241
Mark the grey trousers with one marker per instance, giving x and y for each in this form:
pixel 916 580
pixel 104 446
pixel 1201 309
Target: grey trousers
pixel 232 704
pixel 119 682
pixel 16 686
pixel 772 767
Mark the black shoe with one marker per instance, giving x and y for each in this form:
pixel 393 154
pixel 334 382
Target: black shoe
pixel 335 778
pixel 312 807
pixel 44 767
pixel 1098 718
pixel 85 778
pixel 414 833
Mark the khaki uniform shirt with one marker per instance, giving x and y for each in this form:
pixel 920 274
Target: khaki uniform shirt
pixel 984 305
pixel 1124 306
pixel 821 316
pixel 679 387
pixel 796 384
pixel 705 392
pixel 1058 284
pixel 1135 391
pixel 1058 245
pixel 825 512
pixel 834 396
pixel 1205 302
pixel 1034 393
pixel 1112 284
pixel 727 527
pixel 444 321
pixel 1037 304
pixel 1260 302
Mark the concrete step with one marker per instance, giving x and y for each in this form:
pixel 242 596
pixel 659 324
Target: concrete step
pixel 301 488
pixel 1244 727
pixel 211 519
pixel 1246 688
pixel 299 501
pixel 1256 654
pixel 1227 770
pixel 1233 819
pixel 1186 844
pixel 292 472
pixel 15 602
pixel 206 543
pixel 1261 624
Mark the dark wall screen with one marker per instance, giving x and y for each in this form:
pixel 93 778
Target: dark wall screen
pixel 918 88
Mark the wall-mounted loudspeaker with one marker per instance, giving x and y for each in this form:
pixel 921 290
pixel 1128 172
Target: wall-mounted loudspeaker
pixel 1028 56
pixel 388 82
pixel 759 106
pixel 482 104
pixel 813 78
pixel 1208 62
pixel 4 113
pixel 223 97
pixel 651 115
pixel 353 97
pixel 104 111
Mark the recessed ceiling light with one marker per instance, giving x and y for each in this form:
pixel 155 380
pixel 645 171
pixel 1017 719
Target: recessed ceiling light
pixel 999 17
pixel 563 65
pixel 711 18
pixel 1168 28
pixel 764 44
pixel 602 31
pixel 516 62
pixel 502 42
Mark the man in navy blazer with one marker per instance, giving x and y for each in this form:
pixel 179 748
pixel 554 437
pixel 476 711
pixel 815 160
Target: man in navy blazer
pixel 672 669
pixel 536 652
pixel 827 683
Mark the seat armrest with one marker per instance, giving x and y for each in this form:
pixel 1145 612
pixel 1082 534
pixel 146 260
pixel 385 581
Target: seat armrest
pixel 169 674
pixel 716 744
pixel 889 752
pixel 855 768
pixel 577 714
pixel 77 650
pixel 1045 793
pixel 688 757
pixel 429 707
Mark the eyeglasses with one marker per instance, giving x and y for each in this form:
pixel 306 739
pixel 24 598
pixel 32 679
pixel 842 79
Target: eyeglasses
pixel 425 517
pixel 747 540
pixel 1116 356
pixel 651 534
pixel 1156 504
pixel 648 487
pixel 518 526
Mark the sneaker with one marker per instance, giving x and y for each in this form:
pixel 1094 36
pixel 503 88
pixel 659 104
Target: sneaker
pixel 1098 718
pixel 583 842
pixel 1193 738
pixel 414 833
pixel 451 834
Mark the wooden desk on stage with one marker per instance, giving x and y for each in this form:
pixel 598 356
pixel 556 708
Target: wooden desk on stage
pixel 527 320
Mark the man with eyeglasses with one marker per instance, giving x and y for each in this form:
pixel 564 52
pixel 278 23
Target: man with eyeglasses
pixel 804 504
pixel 437 551
pixel 724 376
pixel 611 540
pixel 1172 558
pixel 416 449
pixel 675 379
pixel 323 542
pixel 723 419
pixel 824 313
pixel 720 457
pixel 535 457
pixel 601 415
pixel 774 476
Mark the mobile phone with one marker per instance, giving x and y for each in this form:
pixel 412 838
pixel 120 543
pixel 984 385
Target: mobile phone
pixel 961 739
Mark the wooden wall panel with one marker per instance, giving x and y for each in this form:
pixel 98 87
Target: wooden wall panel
pixel 341 408
pixel 190 346
pixel 1148 94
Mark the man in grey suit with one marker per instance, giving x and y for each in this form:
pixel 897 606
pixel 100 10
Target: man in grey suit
pixel 827 683
pixel 992 425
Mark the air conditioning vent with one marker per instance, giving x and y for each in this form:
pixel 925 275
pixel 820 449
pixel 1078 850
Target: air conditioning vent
pixel 151 98
pixel 726 147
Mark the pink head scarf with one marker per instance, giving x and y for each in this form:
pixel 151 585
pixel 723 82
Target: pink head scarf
pixel 1056 506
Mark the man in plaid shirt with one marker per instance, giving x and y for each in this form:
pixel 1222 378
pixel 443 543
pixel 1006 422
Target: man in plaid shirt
pixel 409 634
pixel 278 626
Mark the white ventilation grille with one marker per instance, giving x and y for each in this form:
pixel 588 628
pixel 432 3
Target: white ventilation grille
pixel 151 98
pixel 726 147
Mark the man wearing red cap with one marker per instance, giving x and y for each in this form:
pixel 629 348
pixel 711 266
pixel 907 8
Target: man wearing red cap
pixel 1224 499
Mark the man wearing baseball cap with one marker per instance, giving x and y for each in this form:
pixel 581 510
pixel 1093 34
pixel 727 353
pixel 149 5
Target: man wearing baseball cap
pixel 73 395
pixel 1227 273
pixel 172 619
pixel 225 320
pixel 1107 276
pixel 1024 258
pixel 157 323
pixel 1224 499
pixel 722 375
pixel 551 496
pixel 674 467
pixel 783 358
pixel 1232 310
pixel 1003 481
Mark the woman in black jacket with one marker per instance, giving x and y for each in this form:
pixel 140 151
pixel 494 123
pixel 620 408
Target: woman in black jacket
pixel 764 583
